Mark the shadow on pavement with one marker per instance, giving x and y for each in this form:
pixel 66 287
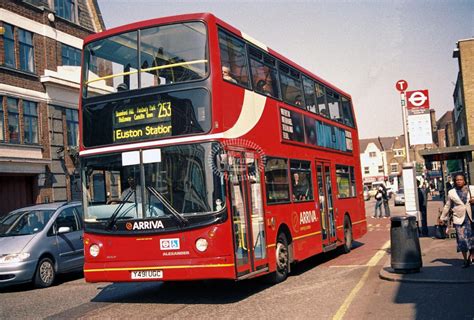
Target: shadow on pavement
pixel 60 279
pixel 437 301
pixel 202 292
pixel 175 292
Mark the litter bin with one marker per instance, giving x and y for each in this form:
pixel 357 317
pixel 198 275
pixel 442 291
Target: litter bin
pixel 405 245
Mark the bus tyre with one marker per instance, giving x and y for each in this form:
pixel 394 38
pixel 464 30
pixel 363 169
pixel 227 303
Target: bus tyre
pixel 282 259
pixel 347 235
pixel 45 274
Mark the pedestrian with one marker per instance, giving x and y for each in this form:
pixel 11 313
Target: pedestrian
pixel 378 203
pixel 449 185
pixel 459 201
pixel 422 203
pixel 385 199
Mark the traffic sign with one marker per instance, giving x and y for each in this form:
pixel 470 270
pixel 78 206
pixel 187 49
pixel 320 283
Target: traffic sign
pixel 401 85
pixel 418 99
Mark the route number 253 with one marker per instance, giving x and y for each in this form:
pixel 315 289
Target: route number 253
pixel 164 110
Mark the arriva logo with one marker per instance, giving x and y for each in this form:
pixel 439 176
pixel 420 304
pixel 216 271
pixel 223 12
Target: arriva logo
pixel 145 225
pixel 308 217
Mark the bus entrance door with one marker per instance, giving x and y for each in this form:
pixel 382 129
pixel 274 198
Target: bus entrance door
pixel 326 205
pixel 247 214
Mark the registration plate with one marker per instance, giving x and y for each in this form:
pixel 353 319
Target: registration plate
pixel 147 274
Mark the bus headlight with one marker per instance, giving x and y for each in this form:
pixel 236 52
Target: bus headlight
pixel 201 244
pixel 94 250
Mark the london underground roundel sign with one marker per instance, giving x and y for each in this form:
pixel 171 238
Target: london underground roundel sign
pixel 401 85
pixel 418 99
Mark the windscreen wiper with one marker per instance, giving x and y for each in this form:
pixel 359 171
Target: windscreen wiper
pixel 115 216
pixel 181 220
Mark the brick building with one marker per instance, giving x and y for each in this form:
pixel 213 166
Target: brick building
pixel 40 56
pixel 464 96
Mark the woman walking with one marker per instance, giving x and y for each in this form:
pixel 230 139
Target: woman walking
pixel 459 200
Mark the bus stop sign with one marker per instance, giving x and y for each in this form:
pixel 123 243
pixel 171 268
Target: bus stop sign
pixel 418 99
pixel 401 85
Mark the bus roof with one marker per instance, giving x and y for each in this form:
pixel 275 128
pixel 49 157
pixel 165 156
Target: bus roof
pixel 209 17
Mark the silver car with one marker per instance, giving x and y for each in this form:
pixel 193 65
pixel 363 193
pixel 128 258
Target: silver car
pixel 39 241
pixel 399 199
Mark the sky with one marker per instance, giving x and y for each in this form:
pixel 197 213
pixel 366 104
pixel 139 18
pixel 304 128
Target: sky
pixel 362 47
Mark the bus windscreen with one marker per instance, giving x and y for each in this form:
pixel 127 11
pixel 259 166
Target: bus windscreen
pixel 161 55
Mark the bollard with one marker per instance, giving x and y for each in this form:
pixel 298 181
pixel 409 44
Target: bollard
pixel 405 245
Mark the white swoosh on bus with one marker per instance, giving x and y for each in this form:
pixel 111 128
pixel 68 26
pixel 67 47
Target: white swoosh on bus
pixel 252 110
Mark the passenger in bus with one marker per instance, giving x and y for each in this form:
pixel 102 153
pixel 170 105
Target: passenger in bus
pixel 298 101
pixel 227 75
pixel 122 87
pixel 300 186
pixel 264 87
pixel 324 113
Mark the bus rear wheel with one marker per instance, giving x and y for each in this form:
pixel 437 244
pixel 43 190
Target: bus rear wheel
pixel 282 260
pixel 347 235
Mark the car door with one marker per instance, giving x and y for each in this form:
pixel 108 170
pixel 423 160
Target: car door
pixel 70 244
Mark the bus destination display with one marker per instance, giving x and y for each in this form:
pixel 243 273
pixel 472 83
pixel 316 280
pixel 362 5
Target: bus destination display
pixel 139 122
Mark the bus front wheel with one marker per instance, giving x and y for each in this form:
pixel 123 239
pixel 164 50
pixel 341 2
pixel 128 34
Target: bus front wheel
pixel 282 259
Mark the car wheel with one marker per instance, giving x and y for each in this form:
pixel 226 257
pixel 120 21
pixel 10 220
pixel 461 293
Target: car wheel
pixel 282 260
pixel 347 235
pixel 45 274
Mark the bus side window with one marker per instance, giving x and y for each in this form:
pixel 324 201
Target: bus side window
pixel 321 99
pixel 347 116
pixel 233 59
pixel 301 186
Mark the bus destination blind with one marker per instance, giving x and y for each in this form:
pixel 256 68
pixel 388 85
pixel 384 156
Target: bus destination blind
pixel 152 120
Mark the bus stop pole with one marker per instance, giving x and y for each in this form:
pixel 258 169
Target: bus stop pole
pixel 405 131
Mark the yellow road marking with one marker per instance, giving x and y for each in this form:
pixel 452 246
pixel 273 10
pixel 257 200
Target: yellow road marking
pixel 350 266
pixel 372 262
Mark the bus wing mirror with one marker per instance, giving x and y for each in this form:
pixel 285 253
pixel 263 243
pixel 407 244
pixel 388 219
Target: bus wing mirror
pixel 222 162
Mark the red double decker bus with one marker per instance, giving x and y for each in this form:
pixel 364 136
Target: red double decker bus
pixel 207 155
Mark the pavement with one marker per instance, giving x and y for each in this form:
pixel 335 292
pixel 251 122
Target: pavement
pixel 440 261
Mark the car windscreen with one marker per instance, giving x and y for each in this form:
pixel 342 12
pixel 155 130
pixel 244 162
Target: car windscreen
pixel 20 223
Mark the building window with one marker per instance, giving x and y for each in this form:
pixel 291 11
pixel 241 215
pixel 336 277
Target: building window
pixel 9 45
pixel 399 153
pixel 394 167
pixel 70 56
pixel 380 169
pixel 27 61
pixel 13 120
pixel 66 9
pixel 366 170
pixel 372 154
pixel 30 118
pixel 72 124
pixel 2 137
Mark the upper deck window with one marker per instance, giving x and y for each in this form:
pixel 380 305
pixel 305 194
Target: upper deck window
pixel 168 54
pixel 233 59
pixel 291 86
pixel 264 73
